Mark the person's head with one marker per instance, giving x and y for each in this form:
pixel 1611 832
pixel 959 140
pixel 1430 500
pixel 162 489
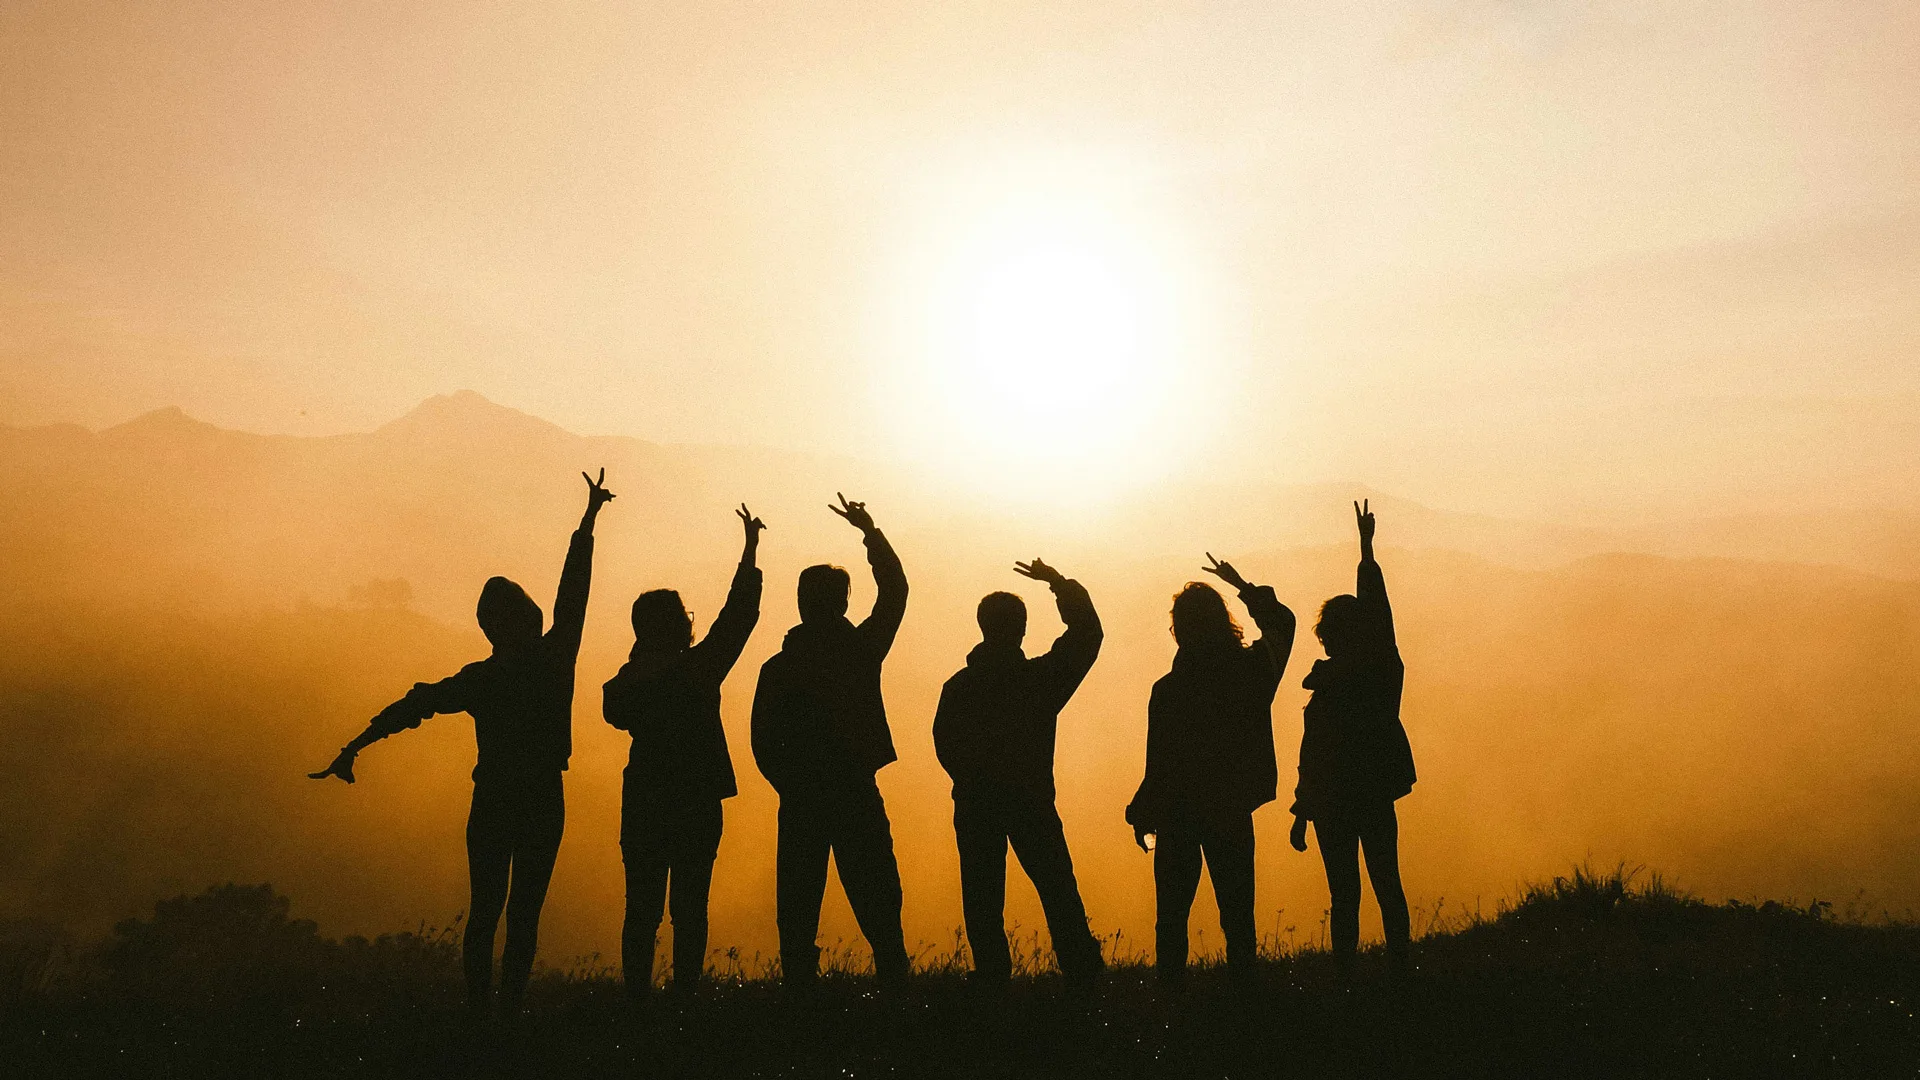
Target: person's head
pixel 823 593
pixel 1201 618
pixel 661 623
pixel 1003 619
pixel 1339 618
pixel 507 615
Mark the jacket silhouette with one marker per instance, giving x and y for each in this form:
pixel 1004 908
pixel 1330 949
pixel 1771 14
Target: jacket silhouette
pixel 667 697
pixel 819 734
pixel 1210 763
pixel 521 701
pixel 1355 761
pixel 1210 723
pixel 1354 751
pixel 994 734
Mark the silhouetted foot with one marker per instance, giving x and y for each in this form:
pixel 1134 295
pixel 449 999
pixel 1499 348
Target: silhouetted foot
pixel 1083 980
pixel 1399 969
pixel 512 1018
pixel 988 987
pixel 892 977
pixel 638 1001
pixel 800 989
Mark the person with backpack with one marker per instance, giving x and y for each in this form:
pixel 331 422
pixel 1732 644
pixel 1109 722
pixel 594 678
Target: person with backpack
pixel 1355 761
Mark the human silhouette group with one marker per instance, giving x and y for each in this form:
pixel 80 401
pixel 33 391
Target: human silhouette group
pixel 820 734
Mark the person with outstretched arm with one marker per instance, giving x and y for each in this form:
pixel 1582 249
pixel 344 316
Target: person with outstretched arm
pixel 994 733
pixel 819 735
pixel 1210 764
pixel 1355 761
pixel 667 697
pixel 521 701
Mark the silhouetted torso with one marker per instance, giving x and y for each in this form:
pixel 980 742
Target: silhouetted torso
pixel 819 721
pixel 1210 725
pixel 995 727
pixel 670 704
pixel 1354 751
pixel 521 700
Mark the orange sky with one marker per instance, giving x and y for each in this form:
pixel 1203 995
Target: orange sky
pixel 1563 260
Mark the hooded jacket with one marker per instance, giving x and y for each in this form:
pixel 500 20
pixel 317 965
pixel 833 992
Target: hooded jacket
pixel 670 704
pixel 521 697
pixel 1210 724
pixel 1354 751
pixel 819 721
pixel 994 729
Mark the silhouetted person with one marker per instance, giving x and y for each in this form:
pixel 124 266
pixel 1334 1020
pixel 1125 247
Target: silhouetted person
pixel 1354 758
pixel 667 696
pixel 994 732
pixel 819 735
pixel 1210 763
pixel 521 700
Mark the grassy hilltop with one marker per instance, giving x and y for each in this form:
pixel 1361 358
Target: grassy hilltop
pixel 1589 975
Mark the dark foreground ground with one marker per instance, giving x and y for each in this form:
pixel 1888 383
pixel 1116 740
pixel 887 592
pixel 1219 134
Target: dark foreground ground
pixel 1584 977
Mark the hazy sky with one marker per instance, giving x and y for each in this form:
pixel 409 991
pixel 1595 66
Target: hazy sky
pixel 1542 258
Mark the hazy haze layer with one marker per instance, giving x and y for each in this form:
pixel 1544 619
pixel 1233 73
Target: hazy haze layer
pixel 195 617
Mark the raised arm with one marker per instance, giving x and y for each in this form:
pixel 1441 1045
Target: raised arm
pixel 1275 619
pixel 1075 650
pixel 889 577
pixel 449 695
pixel 1371 586
pixel 716 654
pixel 576 577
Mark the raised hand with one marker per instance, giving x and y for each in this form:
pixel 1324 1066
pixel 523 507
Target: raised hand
pixel 1363 518
pixel 1039 571
pixel 752 524
pixel 753 527
pixel 1225 572
pixel 341 767
pixel 597 493
pixel 855 513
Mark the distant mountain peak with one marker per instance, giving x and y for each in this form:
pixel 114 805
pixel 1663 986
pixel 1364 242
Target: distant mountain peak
pixel 171 420
pixel 465 413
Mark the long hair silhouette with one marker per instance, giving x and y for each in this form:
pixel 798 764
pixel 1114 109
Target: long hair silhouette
pixel 1200 618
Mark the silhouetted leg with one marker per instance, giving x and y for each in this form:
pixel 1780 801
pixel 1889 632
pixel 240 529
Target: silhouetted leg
pixel 863 850
pixel 643 847
pixel 1176 877
pixel 543 818
pixel 1381 838
pixel 489 862
pixel 1040 841
pixel 1229 852
pixel 1339 851
pixel 800 883
pixel 983 888
pixel 695 849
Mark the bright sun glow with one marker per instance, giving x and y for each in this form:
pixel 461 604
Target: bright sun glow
pixel 1042 330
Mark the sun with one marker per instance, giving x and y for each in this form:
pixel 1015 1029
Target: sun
pixel 1041 332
